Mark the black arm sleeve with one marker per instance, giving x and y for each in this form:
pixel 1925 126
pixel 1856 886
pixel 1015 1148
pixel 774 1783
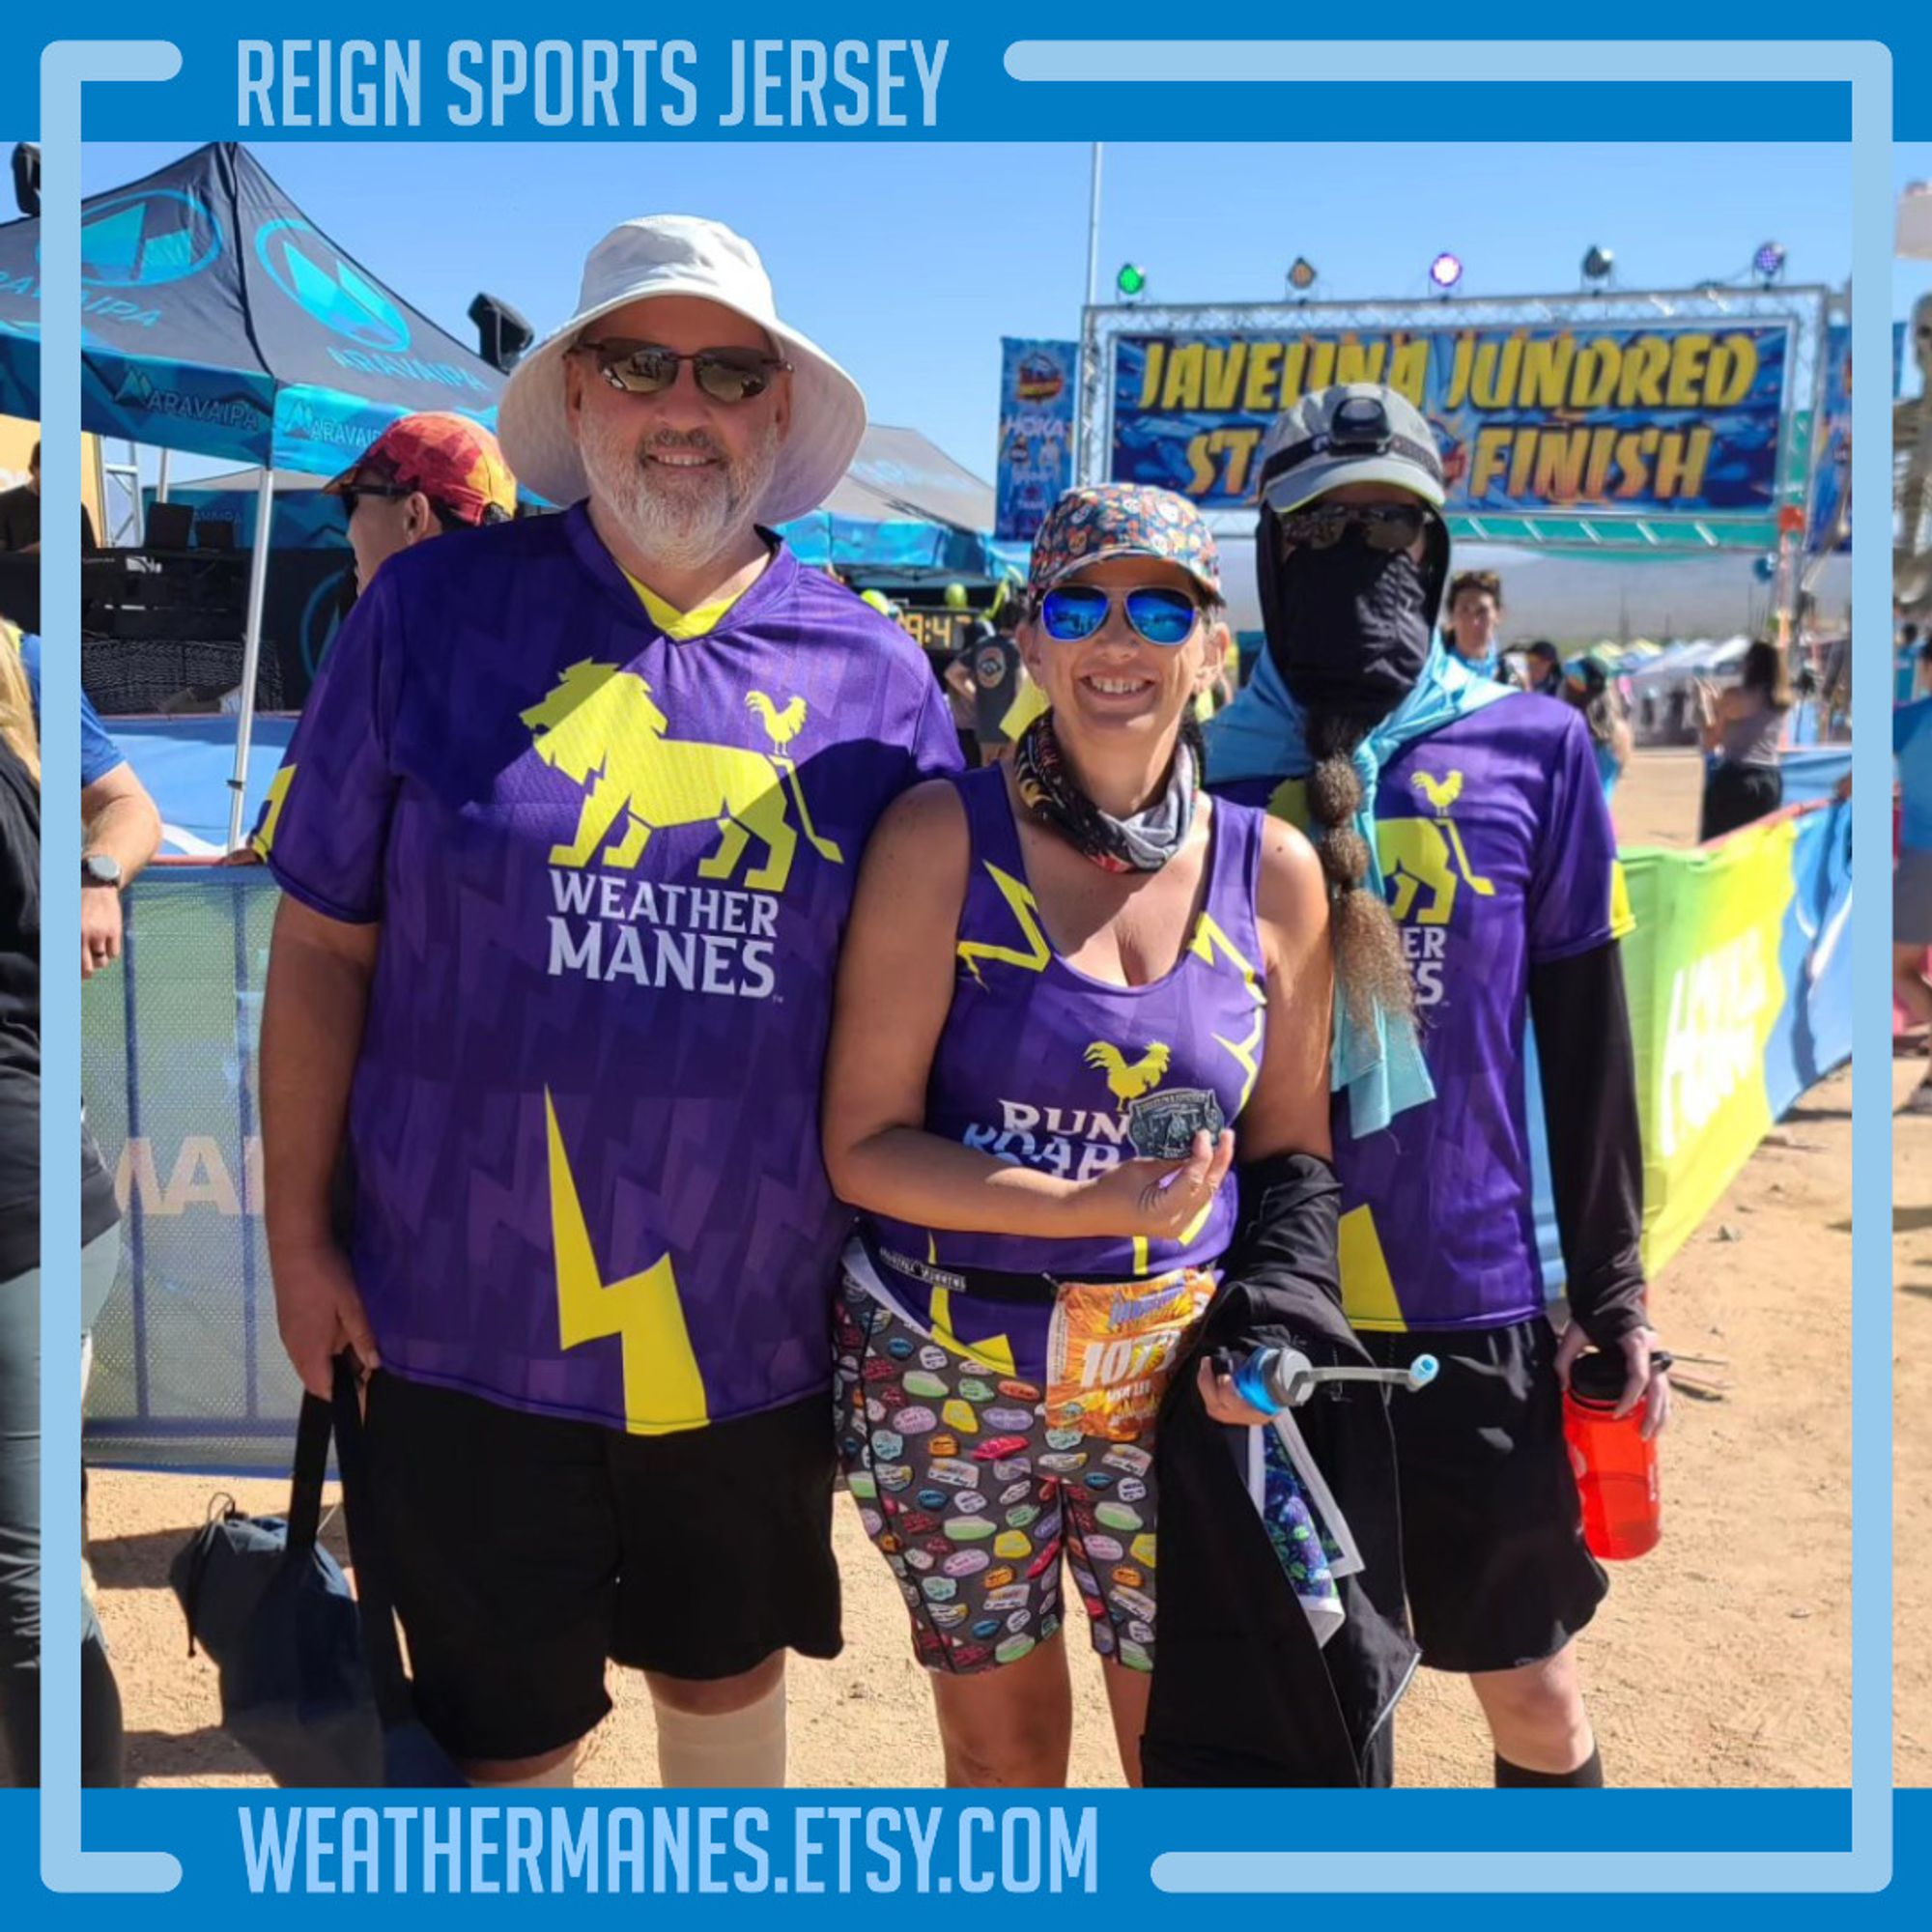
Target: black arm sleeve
pixel 1281 1279
pixel 1596 1154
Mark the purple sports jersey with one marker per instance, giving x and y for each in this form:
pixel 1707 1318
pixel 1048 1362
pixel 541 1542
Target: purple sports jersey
pixel 1497 854
pixel 1042 1066
pixel 612 872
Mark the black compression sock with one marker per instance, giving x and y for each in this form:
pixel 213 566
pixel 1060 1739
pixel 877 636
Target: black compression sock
pixel 1588 1775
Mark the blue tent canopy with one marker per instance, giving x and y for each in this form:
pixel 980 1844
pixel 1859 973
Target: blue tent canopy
pixel 217 319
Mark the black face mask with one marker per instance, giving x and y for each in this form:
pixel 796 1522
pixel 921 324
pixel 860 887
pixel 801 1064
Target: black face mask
pixel 1349 627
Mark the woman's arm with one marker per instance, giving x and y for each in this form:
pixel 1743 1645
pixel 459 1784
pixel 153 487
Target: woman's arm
pixel 1288 1112
pixel 896 985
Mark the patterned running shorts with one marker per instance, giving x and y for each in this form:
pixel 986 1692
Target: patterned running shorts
pixel 968 1482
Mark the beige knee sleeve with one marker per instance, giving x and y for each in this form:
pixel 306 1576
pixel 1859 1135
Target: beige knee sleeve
pixel 733 1750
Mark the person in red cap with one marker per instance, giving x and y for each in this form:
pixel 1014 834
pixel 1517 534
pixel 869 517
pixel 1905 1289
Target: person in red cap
pixel 423 475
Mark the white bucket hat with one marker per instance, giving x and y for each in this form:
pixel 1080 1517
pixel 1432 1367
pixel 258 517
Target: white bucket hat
pixel 684 255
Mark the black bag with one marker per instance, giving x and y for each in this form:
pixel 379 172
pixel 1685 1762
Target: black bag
pixel 312 1678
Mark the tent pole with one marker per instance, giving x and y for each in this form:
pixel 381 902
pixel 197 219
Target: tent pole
pixel 251 648
pixel 1093 230
pixel 161 481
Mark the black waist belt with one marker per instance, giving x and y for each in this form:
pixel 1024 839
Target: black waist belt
pixel 983 1284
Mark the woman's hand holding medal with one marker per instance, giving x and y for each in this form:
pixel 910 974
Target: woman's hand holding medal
pixel 1157 1199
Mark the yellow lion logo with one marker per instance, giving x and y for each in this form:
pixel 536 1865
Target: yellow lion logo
pixel 601 728
pixel 1427 855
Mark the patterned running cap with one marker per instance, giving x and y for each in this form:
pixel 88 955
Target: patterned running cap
pixel 453 461
pixel 1104 520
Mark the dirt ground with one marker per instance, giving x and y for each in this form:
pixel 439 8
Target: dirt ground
pixel 1723 1659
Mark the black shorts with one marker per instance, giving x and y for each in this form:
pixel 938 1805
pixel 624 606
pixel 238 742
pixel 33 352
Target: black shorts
pixel 527 1550
pixel 1736 796
pixel 1491 1531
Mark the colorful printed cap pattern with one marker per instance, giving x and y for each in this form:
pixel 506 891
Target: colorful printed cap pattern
pixel 453 461
pixel 1104 520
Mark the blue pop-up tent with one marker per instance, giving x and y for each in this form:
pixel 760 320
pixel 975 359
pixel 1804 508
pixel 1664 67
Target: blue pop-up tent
pixel 218 320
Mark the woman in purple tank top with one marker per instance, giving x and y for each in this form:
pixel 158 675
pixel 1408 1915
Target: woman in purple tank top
pixel 1071 986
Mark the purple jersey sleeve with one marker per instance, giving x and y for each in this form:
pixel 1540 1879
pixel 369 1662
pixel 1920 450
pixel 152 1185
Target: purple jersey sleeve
pixel 326 828
pixel 1575 890
pixel 935 743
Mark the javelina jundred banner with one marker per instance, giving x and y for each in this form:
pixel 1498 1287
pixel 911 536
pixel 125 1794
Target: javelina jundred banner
pixel 1665 422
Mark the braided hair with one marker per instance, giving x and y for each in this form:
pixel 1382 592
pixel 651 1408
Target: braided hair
pixel 1372 969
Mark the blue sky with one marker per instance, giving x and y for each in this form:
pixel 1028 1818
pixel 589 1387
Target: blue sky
pixel 909 263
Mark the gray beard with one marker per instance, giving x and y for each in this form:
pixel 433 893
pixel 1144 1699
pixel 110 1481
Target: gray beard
pixel 681 529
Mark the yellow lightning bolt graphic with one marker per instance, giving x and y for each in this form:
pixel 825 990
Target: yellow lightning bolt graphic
pixel 1247 1056
pixel 661 1376
pixel 996 1350
pixel 1208 940
pixel 1025 910
pixel 278 792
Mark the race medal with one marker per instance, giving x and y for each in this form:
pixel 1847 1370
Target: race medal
pixel 1162 1125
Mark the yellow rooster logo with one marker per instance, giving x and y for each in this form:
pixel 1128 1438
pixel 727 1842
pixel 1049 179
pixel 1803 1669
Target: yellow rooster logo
pixel 781 726
pixel 601 727
pixel 1427 855
pixel 1129 1081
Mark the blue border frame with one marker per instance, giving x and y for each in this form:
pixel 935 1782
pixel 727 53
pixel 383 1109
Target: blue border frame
pixel 1866 67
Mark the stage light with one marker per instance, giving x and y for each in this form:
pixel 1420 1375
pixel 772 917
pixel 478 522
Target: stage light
pixel 27 178
pixel 1767 264
pixel 1301 274
pixel 1131 282
pixel 1445 271
pixel 501 333
pixel 1599 266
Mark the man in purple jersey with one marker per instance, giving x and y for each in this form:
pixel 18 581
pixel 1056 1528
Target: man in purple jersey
pixel 568 835
pixel 1480 813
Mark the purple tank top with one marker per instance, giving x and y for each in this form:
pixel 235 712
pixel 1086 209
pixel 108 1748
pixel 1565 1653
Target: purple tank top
pixel 1042 1066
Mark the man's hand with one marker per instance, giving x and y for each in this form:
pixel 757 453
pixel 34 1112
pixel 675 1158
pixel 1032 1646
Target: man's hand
pixel 1642 1382
pixel 99 929
pixel 320 1313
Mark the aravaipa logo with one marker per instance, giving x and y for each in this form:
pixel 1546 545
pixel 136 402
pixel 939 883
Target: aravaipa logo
pixel 139 241
pixel 317 280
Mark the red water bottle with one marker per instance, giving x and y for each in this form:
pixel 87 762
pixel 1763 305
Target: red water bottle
pixel 1616 1469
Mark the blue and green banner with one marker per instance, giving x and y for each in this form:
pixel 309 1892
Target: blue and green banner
pixel 1663 422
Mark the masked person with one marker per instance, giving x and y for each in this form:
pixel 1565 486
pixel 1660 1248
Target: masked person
pixel 1071 986
pixel 571 828
pixel 1476 823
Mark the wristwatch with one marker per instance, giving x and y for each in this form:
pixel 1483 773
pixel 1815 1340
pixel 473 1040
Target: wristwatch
pixel 98 868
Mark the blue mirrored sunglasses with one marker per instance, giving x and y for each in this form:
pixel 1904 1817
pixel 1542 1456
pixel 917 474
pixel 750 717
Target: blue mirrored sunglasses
pixel 1157 614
